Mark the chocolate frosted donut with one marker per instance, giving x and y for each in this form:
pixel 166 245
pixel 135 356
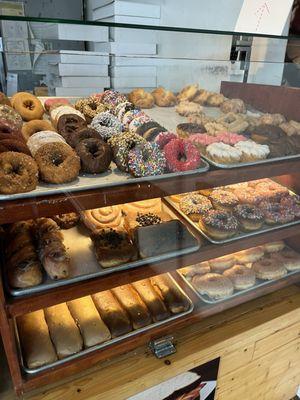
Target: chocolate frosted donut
pixel 85 133
pixel 14 145
pixel 68 124
pixel 250 217
pixel 219 224
pixel 276 213
pixel 95 155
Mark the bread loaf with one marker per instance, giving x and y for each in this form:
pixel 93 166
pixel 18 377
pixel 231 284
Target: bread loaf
pixel 112 313
pixel 63 330
pixel 152 300
pixel 92 328
pixel 35 340
pixel 133 304
pixel 172 296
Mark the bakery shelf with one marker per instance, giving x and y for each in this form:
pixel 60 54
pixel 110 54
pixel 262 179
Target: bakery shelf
pixel 22 209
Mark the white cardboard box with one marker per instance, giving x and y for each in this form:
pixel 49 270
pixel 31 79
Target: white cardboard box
pixel 128 19
pixel 61 91
pixel 123 82
pixel 133 35
pixel 127 8
pixel 132 71
pixel 125 48
pixel 78 69
pixel 79 81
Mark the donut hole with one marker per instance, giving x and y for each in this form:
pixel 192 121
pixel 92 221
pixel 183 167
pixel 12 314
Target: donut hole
pixel 29 105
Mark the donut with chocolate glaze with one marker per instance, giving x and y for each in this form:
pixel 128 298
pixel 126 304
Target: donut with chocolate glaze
pixel 250 217
pixel 276 213
pixel 85 133
pixel 219 224
pixel 14 145
pixel 95 155
pixel 68 124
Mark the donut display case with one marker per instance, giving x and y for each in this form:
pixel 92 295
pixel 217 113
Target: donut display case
pixel 159 192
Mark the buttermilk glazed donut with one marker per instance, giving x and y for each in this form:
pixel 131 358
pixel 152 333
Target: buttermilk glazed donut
pixel 85 133
pixel 250 217
pixel 290 259
pixel 27 105
pixel 274 247
pixel 57 163
pixel 163 97
pixel 223 200
pixel 66 221
pixel 90 107
pixel 35 125
pixel 121 146
pixel 275 213
pixel 14 145
pixel 249 255
pixel 38 139
pixel 107 125
pixel 70 123
pixel 18 173
pixel 146 159
pixel 194 204
pixel 220 264
pixel 269 268
pixel 140 98
pixel 241 276
pixel 219 224
pixel 196 269
pixel 181 155
pixel 11 117
pixel 215 286
pixel 95 155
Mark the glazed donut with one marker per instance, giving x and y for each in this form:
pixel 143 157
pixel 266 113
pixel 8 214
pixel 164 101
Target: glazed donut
pixel 35 125
pixel 164 138
pixel 90 107
pixel 274 247
pixel 111 98
pixel 38 139
pixel 215 286
pixel 107 125
pixel 181 155
pixel 68 124
pixel 269 268
pixel 290 259
pixel 275 213
pixel 18 173
pixel 223 200
pixel 194 204
pixel 85 133
pixel 250 217
pixel 57 163
pixel 14 145
pixel 141 98
pixel 66 221
pixel 249 255
pixel 27 105
pixel 146 159
pixel 121 146
pixel 50 104
pixel 163 97
pixel 95 155
pixel 196 269
pixel 10 117
pixel 219 224
pixel 220 264
pixel 241 276
pixel 4 99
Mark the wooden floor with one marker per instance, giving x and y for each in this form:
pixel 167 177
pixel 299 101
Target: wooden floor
pixel 258 342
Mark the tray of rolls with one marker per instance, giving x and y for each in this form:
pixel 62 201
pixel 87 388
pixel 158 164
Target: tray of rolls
pixel 228 213
pixel 53 252
pixel 64 332
pixel 235 274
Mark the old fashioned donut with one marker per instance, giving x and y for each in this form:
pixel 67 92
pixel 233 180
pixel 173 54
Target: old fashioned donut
pixel 10 117
pixel 90 107
pixel 107 125
pixel 57 163
pixel 241 276
pixel 220 264
pixel 66 221
pixel 28 106
pixel 196 269
pixel 250 217
pixel 14 145
pixel 194 204
pixel 249 255
pixel 85 133
pixel 181 155
pixel 68 124
pixel 219 224
pixel 35 125
pixel 95 155
pixel 146 159
pixel 273 247
pixel 269 268
pixel 18 173
pixel 38 139
pixel 290 259
pixel 215 286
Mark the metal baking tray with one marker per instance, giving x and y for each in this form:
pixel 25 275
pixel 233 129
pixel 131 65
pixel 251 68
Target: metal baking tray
pixel 84 264
pixel 245 164
pixel 239 235
pixel 112 177
pixel 102 345
pixel 236 293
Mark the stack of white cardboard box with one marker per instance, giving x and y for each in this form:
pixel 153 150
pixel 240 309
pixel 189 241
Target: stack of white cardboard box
pixel 133 51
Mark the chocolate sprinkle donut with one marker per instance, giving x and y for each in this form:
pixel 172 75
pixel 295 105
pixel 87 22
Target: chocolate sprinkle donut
pixel 95 155
pixel 220 220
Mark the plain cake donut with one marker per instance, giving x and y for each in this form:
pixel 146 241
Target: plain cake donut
pixel 215 286
pixel 241 276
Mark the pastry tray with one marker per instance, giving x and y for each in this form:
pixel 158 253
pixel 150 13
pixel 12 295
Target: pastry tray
pixel 102 345
pixel 259 283
pixel 239 235
pixel 112 177
pixel 84 265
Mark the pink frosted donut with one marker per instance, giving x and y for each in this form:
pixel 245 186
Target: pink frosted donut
pixel 202 139
pixel 164 138
pixel 230 138
pixel 181 155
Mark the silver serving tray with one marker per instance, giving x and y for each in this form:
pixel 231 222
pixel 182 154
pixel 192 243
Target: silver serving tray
pixel 84 265
pixel 102 345
pixel 259 283
pixel 239 235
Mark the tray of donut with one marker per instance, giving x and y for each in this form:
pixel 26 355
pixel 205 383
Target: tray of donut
pixel 53 146
pixel 51 252
pixel 55 335
pixel 234 274
pixel 232 212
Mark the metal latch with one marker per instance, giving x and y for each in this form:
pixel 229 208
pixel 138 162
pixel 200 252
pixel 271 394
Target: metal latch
pixel 162 347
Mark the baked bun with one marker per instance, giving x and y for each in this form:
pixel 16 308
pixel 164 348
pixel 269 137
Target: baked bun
pixel 163 97
pixel 141 98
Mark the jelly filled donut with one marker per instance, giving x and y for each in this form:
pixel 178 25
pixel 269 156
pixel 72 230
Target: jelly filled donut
pixel 241 276
pixel 215 286
pixel 95 155
pixel 18 173
pixel 35 125
pixel 28 106
pixel 57 163
pixel 181 155
pixel 219 224
pixel 146 159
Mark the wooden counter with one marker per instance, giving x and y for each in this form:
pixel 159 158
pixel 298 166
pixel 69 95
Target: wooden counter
pixel 258 342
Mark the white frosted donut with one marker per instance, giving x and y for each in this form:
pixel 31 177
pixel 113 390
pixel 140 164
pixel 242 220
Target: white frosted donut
pixel 223 153
pixel 249 255
pixel 215 286
pixel 220 264
pixel 38 139
pixel 241 276
pixel 196 269
pixel 252 151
